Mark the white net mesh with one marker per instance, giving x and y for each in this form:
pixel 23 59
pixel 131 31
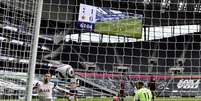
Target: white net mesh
pixel 17 21
pixel 110 44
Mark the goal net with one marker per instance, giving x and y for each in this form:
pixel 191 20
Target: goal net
pixel 18 20
pixel 110 45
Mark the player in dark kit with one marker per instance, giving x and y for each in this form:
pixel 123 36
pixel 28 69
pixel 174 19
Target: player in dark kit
pixel 152 87
pixel 74 83
pixel 122 90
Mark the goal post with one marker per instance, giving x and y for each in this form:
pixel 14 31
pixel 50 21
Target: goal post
pixel 34 48
pixel 19 32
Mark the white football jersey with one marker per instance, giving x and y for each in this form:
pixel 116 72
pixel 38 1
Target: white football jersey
pixel 45 91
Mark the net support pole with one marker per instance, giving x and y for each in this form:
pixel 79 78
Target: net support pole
pixel 34 47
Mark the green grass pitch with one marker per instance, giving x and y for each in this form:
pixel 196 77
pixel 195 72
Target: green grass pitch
pixel 126 99
pixel 131 99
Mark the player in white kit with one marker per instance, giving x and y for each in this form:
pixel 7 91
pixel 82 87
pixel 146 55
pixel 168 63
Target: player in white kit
pixel 45 88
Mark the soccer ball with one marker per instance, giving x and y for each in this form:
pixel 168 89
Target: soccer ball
pixel 64 72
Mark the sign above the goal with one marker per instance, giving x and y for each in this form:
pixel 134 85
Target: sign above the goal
pixel 87 13
pixel 87 17
pixel 109 21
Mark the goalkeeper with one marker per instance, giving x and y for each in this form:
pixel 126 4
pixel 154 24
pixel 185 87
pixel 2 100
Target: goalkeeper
pixel 142 93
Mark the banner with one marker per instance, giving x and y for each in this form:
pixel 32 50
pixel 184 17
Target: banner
pixel 186 86
pixel 87 17
pixel 178 87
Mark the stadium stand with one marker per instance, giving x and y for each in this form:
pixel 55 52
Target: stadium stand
pixel 159 54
